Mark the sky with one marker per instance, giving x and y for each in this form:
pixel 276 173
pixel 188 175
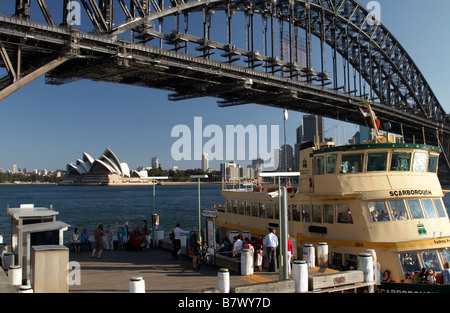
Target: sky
pixel 44 126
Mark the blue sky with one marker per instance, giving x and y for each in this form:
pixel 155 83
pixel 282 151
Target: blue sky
pixel 44 126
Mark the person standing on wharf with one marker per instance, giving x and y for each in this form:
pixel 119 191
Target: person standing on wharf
pixel 271 244
pixel 177 233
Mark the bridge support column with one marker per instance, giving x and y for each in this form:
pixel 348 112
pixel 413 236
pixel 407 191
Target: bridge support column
pixel 30 77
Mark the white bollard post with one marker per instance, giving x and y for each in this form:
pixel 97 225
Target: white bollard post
pixel 322 254
pixel 309 255
pixel 223 280
pixel 8 260
pixel 246 262
pixel 15 275
pixel 365 262
pixel 300 276
pixel 137 285
pixel 1 238
pixel 25 289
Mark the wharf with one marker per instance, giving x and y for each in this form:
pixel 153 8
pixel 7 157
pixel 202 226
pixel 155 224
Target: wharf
pixel 162 274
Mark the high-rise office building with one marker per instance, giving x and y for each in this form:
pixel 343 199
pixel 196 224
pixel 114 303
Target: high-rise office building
pixel 313 126
pixel 155 162
pixel 205 162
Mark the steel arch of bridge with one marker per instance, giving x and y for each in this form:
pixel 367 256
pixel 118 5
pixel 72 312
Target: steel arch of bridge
pixel 366 59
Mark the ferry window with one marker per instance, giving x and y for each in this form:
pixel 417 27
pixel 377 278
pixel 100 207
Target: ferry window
pixel 289 212
pixel 410 262
pixel 378 211
pixel 420 162
pixel 445 255
pixel 336 260
pixel 343 214
pixel 431 261
pixel 255 209
pixel 306 215
pixel 351 261
pixel 248 208
pixel 377 162
pixel 241 206
pixel 269 210
pixel 296 213
pixel 401 162
pixel 234 206
pixel 415 208
pixel 328 213
pixel 433 164
pixel 352 163
pixel 398 209
pixel 331 160
pixel 318 165
pixel 317 213
pixel 429 208
pixel 262 210
pixel 439 207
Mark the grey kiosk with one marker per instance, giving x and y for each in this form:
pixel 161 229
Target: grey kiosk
pixel 33 226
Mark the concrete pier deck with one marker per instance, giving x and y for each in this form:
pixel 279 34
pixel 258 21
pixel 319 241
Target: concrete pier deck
pixel 162 274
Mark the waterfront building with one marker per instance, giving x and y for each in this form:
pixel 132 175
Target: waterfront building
pixel 205 162
pixel 106 170
pixel 155 162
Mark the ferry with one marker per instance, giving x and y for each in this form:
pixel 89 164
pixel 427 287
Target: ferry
pixel 381 196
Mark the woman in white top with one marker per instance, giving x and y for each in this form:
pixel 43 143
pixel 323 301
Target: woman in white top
pixel 76 240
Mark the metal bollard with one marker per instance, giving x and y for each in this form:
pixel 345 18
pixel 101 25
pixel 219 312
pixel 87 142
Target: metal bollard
pixel 223 281
pixel 365 262
pixel 137 285
pixel 15 275
pixel 300 276
pixel 309 255
pixel 246 262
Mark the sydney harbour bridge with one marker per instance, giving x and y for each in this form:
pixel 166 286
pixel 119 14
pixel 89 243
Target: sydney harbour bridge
pixel 322 57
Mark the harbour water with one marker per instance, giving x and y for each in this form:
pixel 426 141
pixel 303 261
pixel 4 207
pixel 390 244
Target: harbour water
pixel 89 206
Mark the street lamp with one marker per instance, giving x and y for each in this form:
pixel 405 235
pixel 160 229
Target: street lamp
pixel 198 177
pixel 154 180
pixel 282 206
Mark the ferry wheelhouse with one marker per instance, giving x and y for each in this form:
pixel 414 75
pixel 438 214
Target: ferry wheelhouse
pixel 385 197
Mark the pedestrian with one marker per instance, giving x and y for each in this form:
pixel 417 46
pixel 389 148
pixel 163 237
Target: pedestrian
pixel 290 251
pixel 76 240
pixel 146 231
pixel 447 273
pixel 271 245
pixel 120 237
pixel 177 233
pixel 99 233
pixel 84 238
pixel 109 238
pixel 195 244
pixel 238 246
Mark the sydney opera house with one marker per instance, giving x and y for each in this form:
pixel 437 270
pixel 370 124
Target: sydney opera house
pixel 106 170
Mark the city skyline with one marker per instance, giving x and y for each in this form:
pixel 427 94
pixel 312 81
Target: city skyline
pixel 45 126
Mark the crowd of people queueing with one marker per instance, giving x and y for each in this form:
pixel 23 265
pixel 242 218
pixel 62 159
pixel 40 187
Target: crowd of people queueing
pixel 264 250
pixel 127 238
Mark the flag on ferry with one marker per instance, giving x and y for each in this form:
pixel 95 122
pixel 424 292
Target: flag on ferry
pixel 366 114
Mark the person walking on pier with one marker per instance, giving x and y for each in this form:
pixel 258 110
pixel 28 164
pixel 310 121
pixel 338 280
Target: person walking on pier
pixel 99 233
pixel 177 233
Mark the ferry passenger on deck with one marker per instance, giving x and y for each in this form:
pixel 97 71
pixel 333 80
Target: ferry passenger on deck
pixel 446 273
